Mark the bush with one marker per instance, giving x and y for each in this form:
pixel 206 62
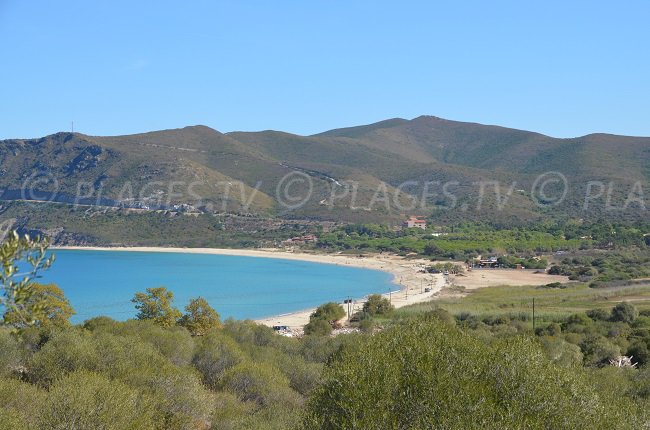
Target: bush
pixel 598 350
pixel 554 329
pixel 21 400
pixel 318 327
pixel 624 312
pixel 216 354
pixel 90 401
pixel 639 352
pixel 599 314
pixel 441 315
pixel 65 352
pixel 181 401
pixel 259 383
pixel 561 352
pixel 175 343
pixel 377 305
pixel 323 318
pixel 9 353
pixel 425 374
pixel 330 312
pixel 367 325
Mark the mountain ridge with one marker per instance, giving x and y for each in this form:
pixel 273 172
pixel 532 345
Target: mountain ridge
pixel 382 154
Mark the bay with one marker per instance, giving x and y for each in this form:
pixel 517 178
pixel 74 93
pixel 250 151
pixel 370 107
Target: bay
pixel 103 282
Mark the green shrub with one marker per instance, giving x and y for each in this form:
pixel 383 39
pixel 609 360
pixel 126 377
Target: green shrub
pixel 318 327
pixel 377 305
pixel 599 314
pixel 259 383
pixel 624 312
pixel 10 356
pixel 425 374
pixel 85 400
pixel 21 399
pixel 215 354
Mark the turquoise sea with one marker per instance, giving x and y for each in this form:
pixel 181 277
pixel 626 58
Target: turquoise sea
pixel 103 282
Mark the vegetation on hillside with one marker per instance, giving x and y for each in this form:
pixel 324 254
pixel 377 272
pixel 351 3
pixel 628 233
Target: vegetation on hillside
pixel 448 170
pixel 427 374
pixel 456 363
pixel 66 225
pixel 469 240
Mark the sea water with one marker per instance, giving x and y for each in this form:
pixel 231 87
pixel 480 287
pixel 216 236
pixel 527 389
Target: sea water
pixel 104 282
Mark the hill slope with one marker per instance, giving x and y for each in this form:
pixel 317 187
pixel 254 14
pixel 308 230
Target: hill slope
pixel 376 172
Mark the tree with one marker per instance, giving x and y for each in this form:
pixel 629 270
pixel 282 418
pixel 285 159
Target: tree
pixel 432 249
pixel 323 318
pixel 17 292
pixel 330 312
pixel 377 305
pixel 156 305
pixel 46 306
pixel 625 312
pixel 200 317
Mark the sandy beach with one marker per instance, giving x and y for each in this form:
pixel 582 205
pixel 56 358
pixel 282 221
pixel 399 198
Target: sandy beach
pixel 480 278
pixel 409 281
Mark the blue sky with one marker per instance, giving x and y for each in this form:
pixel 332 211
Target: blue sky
pixel 116 67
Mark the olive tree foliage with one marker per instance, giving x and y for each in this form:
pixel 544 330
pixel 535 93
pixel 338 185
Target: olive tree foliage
pixel 17 283
pixel 200 317
pixel 47 306
pixel 424 374
pixel 157 305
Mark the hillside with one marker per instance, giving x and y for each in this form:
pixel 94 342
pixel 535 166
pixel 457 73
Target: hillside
pixel 200 169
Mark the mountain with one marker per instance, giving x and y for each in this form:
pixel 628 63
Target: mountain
pixel 352 174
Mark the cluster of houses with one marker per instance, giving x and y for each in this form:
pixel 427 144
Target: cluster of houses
pixel 489 262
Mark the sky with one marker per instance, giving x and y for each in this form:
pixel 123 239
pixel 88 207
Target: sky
pixel 563 68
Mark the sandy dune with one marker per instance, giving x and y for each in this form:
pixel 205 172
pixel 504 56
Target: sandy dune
pixel 479 278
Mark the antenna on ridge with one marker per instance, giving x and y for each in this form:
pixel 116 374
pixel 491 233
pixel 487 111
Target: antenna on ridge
pixel 72 126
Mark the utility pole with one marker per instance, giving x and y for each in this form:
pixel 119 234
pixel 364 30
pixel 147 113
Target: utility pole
pixel 348 301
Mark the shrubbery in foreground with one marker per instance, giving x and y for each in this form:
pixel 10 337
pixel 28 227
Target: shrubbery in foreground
pixel 426 374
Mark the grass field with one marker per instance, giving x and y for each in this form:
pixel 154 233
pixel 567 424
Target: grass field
pixel 551 304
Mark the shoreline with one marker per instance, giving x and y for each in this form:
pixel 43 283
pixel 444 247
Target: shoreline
pixel 409 282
